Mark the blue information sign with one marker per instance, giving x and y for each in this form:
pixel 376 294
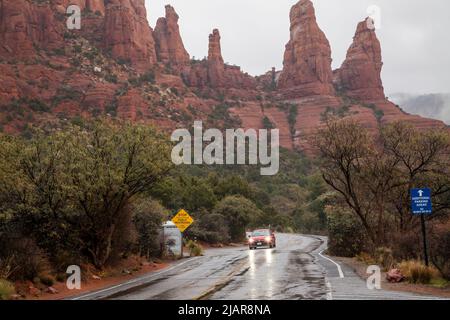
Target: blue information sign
pixel 421 201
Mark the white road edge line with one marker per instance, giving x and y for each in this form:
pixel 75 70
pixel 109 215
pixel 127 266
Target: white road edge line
pixel 329 289
pixel 341 274
pixel 129 282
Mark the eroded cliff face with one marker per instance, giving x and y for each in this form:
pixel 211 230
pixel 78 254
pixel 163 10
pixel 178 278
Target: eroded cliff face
pixel 307 59
pixel 25 27
pixel 94 6
pixel 117 65
pixel 127 33
pixel 169 45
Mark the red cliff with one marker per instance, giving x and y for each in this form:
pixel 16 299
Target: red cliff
pixel 25 26
pixel 59 73
pixel 169 45
pixel 127 33
pixel 307 59
pixel 95 6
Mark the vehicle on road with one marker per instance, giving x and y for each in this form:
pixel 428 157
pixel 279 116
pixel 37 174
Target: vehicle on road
pixel 262 238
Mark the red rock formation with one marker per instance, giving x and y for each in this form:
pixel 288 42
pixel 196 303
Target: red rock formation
pixel 360 77
pixel 251 115
pixel 122 28
pixel 169 45
pixel 127 33
pixel 96 6
pixel 216 65
pixel 214 73
pixel 307 59
pixel 360 74
pixel 24 26
pixel 61 5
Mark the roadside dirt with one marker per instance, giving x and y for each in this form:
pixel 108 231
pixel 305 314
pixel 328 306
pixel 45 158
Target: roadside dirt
pixel 112 276
pixel 360 269
pixel 125 271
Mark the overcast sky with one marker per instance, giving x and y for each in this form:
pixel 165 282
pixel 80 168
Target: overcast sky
pixel 414 35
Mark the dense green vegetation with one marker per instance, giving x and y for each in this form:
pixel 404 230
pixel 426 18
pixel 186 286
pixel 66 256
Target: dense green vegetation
pixel 96 192
pixel 293 200
pixel 66 196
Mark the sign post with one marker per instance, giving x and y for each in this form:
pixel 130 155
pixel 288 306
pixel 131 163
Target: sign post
pixel 182 220
pixel 421 205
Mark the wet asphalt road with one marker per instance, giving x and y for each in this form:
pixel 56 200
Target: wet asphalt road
pixel 286 272
pixel 297 269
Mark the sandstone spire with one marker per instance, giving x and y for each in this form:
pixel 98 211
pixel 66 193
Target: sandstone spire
pixel 360 74
pixel 127 33
pixel 214 49
pixel 169 45
pixel 216 66
pixel 307 59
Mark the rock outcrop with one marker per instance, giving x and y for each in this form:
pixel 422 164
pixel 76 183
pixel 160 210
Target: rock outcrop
pixel 214 73
pixel 25 26
pixel 96 6
pixel 169 45
pixel 216 65
pixel 127 34
pixel 360 74
pixel 307 59
pixel 72 77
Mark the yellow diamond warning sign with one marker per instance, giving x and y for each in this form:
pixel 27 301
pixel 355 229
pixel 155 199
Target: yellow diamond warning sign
pixel 182 220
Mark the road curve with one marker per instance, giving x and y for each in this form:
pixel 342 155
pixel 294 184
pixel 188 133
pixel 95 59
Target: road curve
pixel 295 270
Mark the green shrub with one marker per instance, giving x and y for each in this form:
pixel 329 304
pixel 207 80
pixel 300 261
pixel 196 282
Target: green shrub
pixel 149 76
pixel 38 105
pixel 239 213
pixel 346 234
pixel 195 249
pixel 6 289
pixel 148 215
pixel 61 277
pixel 111 78
pixel 267 124
pixel 47 280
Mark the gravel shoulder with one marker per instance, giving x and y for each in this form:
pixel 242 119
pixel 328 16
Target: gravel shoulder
pixel 360 269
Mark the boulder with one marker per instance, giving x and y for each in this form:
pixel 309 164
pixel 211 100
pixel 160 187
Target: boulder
pixel 395 276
